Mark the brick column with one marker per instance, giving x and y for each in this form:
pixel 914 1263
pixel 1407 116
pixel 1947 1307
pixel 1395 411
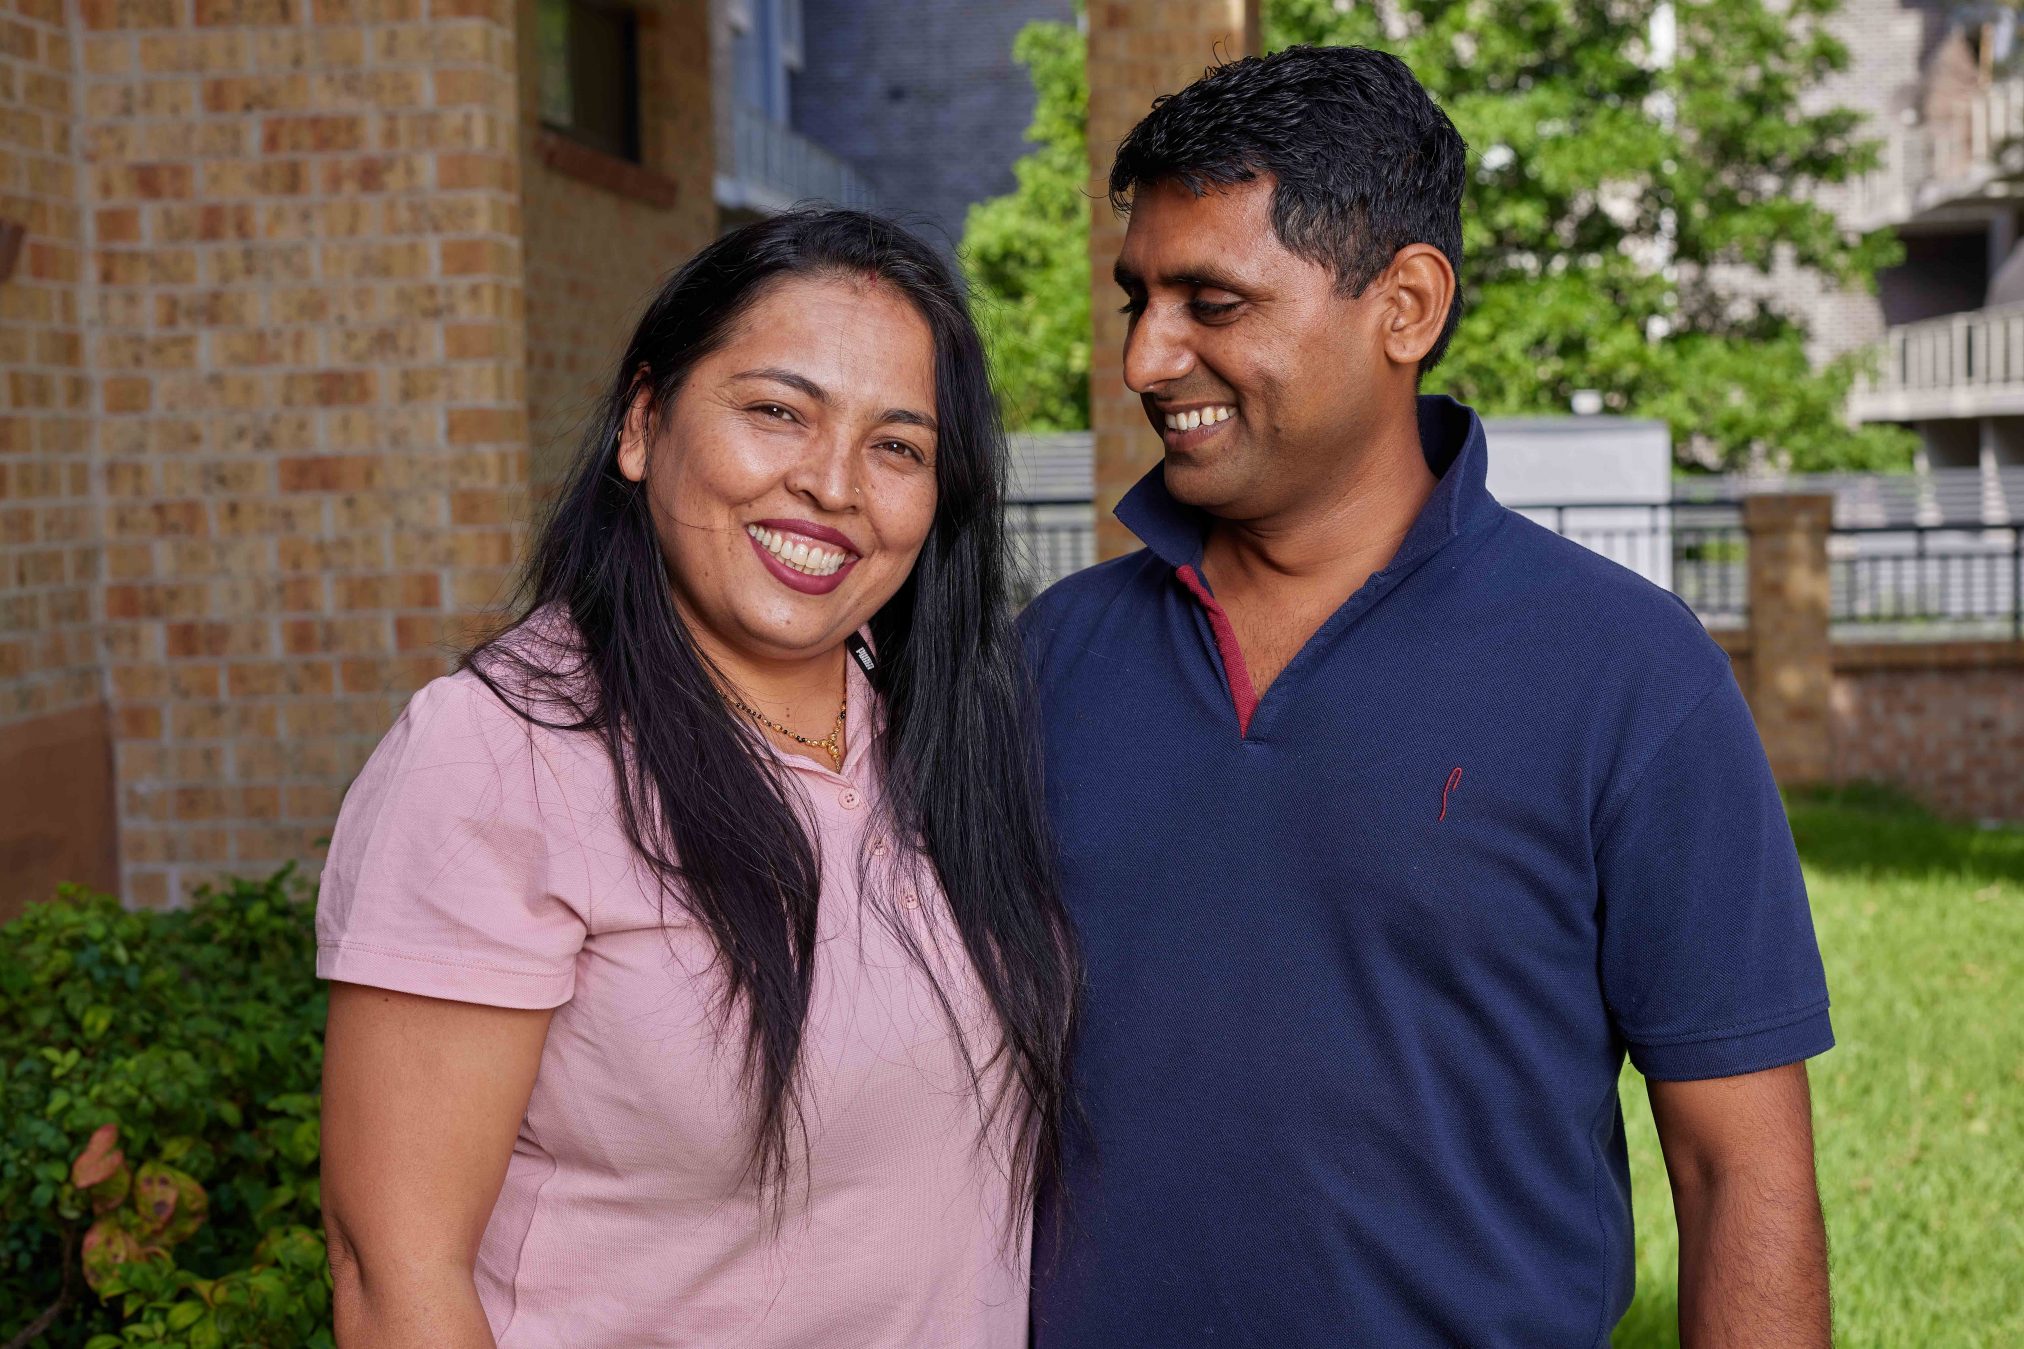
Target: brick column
pixel 1138 50
pixel 55 756
pixel 1791 655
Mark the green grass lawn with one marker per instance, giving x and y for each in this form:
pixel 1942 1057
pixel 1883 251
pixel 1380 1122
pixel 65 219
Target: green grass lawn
pixel 1919 1108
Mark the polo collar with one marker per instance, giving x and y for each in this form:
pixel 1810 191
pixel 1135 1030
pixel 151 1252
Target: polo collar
pixel 1451 437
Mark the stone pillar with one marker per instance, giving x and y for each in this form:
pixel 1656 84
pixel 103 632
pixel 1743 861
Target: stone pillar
pixel 1138 50
pixel 1791 653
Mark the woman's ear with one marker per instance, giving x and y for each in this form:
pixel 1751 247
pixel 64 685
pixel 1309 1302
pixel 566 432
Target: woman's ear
pixel 632 436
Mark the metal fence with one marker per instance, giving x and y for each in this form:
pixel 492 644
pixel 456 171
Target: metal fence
pixel 1051 538
pixel 1890 582
pixel 1697 550
pixel 1927 583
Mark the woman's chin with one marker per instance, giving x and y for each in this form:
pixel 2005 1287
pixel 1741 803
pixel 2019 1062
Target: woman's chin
pixel 801 630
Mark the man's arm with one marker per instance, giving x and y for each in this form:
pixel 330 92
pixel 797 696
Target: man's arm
pixel 1753 1249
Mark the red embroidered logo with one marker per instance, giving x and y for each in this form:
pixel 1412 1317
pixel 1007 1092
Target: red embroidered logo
pixel 1454 781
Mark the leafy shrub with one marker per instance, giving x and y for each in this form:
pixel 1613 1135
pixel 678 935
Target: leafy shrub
pixel 158 1123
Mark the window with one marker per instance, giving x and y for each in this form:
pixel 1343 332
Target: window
pixel 590 85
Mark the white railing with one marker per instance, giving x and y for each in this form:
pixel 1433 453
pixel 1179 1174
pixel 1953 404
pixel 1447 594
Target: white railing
pixel 773 166
pixel 1944 159
pixel 1959 365
pixel 1967 147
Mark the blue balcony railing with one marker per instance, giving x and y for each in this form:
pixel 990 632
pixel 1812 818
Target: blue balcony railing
pixel 774 166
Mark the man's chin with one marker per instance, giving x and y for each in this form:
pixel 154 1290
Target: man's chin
pixel 1206 486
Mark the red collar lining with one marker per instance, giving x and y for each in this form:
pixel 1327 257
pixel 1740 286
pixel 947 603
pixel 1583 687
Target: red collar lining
pixel 1239 674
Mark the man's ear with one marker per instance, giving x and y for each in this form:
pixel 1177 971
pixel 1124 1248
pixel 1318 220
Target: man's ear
pixel 634 433
pixel 1419 288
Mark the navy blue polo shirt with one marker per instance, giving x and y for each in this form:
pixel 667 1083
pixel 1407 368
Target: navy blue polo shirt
pixel 1364 961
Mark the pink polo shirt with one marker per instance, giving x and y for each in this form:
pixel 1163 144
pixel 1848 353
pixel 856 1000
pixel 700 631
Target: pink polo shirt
pixel 480 859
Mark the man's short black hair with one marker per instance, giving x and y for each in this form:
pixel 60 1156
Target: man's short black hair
pixel 1363 162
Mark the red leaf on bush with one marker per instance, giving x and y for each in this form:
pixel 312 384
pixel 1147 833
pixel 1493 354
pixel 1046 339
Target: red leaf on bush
pixel 171 1204
pixel 99 1159
pixel 111 1192
pixel 107 1246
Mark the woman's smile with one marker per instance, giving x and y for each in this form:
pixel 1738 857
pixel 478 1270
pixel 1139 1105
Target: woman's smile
pixel 803 556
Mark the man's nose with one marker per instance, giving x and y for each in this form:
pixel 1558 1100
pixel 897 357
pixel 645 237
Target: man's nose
pixel 1155 352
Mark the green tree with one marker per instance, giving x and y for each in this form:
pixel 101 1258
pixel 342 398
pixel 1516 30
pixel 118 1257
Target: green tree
pixel 1624 214
pixel 1624 210
pixel 1026 254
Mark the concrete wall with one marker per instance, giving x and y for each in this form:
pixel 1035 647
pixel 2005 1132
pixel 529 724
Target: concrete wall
pixel 924 98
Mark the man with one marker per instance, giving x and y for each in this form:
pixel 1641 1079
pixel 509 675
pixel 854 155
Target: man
pixel 1391 820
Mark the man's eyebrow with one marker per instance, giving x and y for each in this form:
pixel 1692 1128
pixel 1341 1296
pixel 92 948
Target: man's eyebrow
pixel 798 382
pixel 1201 276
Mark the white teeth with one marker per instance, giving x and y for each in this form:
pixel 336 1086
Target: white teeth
pixel 1194 417
pixel 799 554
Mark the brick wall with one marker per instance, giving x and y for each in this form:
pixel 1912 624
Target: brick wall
pixel 55 753
pixel 1944 721
pixel 601 233
pixel 264 431
pixel 1138 50
pixel 48 555
pixel 311 415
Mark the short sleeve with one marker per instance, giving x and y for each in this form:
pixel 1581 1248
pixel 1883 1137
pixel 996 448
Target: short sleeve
pixel 438 876
pixel 1709 963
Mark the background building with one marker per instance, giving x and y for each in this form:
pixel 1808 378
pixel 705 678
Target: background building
pixel 1943 86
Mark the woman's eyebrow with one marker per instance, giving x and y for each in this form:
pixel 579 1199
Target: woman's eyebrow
pixel 908 417
pixel 805 385
pixel 798 382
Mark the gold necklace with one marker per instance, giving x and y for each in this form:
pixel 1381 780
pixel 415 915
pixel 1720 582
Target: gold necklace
pixel 831 744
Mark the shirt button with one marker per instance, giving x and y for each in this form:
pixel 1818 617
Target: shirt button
pixel 878 847
pixel 849 798
pixel 911 900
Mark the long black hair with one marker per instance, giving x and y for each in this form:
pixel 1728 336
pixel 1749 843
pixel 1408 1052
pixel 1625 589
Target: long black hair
pixel 706 805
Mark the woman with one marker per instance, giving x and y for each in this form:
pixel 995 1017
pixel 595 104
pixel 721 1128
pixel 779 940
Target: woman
pixel 693 982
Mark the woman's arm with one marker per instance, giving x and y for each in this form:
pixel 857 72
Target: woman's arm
pixel 422 1099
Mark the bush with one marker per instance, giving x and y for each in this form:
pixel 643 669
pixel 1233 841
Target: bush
pixel 158 1123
